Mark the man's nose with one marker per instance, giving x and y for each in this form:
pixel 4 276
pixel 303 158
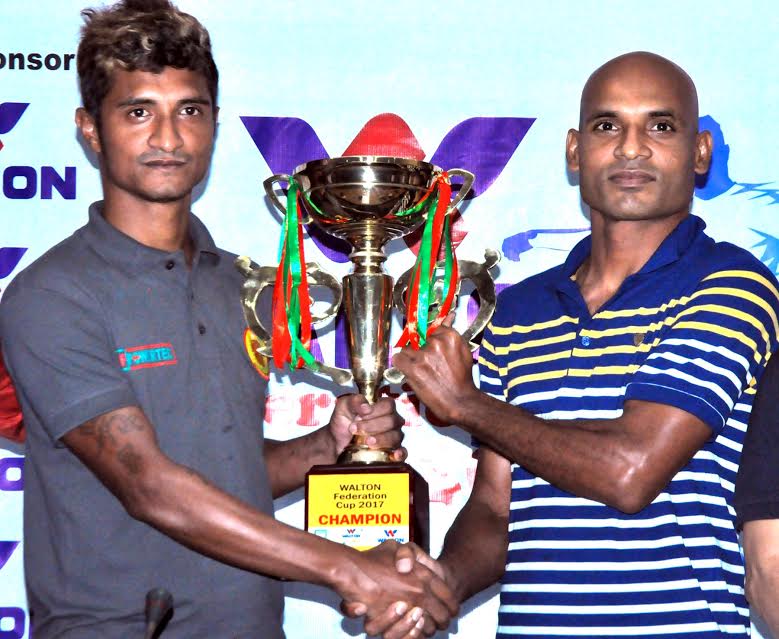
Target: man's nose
pixel 165 134
pixel 632 144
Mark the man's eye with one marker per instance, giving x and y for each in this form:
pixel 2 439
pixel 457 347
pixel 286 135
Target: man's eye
pixel 663 127
pixel 605 126
pixel 191 110
pixel 137 113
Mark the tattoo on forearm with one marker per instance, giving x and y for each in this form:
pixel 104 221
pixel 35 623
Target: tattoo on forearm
pixel 130 459
pixel 104 429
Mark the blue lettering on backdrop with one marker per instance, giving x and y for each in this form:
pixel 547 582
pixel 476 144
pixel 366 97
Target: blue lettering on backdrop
pixel 21 182
pixel 65 186
pixel 17 617
pixel 11 474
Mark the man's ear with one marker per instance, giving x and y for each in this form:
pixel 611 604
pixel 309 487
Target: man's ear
pixel 572 150
pixel 703 148
pixel 88 127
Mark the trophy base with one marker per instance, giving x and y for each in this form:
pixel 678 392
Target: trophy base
pixel 363 505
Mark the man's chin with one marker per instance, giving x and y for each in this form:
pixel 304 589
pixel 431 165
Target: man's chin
pixel 167 198
pixel 637 214
pixel 164 195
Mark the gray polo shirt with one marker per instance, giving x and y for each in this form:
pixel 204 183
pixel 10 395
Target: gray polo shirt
pixel 100 322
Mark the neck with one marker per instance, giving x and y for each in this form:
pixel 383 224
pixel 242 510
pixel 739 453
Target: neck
pixel 620 248
pixel 160 225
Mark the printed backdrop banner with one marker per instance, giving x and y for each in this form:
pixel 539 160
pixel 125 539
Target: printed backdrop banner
pixel 492 87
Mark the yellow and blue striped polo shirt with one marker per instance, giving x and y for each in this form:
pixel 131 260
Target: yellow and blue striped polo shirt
pixel 692 329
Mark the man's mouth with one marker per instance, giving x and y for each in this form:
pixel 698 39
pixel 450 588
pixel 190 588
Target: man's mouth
pixel 164 163
pixel 631 178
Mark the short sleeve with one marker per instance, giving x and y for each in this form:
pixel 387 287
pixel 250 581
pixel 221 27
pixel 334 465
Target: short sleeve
pixel 757 482
pixel 717 344
pixel 11 423
pixel 490 380
pixel 60 358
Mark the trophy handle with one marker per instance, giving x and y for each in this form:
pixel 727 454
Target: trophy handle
pixel 260 277
pixel 468 179
pixel 277 179
pixel 476 272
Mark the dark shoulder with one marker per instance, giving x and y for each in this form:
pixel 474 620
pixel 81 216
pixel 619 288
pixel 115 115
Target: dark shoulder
pixel 61 269
pixel 724 266
pixel 528 297
pixel 711 256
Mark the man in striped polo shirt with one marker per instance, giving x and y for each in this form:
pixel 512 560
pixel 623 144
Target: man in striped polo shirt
pixel 615 392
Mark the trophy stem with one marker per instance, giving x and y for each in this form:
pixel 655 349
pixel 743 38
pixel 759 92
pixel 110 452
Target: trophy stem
pixel 367 305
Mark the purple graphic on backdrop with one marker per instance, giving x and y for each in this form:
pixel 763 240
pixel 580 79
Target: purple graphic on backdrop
pixel 770 246
pixel 758 192
pixel 481 145
pixel 6 550
pixel 10 112
pixel 718 181
pixel 10 256
pixel 284 143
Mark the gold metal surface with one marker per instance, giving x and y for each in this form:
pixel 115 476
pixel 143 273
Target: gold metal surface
pixel 361 199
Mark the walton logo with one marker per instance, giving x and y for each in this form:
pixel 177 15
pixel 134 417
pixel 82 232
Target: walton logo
pixel 481 145
pixel 25 182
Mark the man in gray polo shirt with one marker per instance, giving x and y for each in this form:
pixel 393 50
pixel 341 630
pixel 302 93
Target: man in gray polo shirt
pixel 146 464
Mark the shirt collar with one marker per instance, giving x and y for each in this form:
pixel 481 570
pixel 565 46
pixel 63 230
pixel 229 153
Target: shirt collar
pixel 121 249
pixel 670 250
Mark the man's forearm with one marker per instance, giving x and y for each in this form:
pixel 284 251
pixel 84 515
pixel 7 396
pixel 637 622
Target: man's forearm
pixel 763 595
pixel 612 461
pixel 288 461
pixel 474 554
pixel 760 540
pixel 185 506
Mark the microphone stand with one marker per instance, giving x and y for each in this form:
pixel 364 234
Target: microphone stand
pixel 159 604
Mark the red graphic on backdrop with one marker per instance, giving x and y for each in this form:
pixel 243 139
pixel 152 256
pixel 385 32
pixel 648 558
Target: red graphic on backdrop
pixel 388 135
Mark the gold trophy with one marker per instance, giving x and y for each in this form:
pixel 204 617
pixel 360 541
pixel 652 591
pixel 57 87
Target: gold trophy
pixel 366 498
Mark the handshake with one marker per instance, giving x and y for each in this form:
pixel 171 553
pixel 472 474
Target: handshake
pixel 400 590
